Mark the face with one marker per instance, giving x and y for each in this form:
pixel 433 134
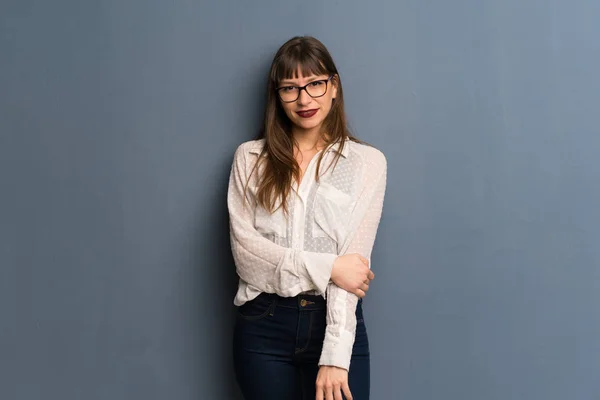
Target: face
pixel 308 113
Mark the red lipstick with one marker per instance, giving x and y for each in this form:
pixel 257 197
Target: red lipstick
pixel 307 113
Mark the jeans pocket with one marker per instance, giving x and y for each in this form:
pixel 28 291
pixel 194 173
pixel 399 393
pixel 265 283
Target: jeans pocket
pixel 255 309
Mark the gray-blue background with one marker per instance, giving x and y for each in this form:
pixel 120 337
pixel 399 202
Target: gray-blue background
pixel 118 122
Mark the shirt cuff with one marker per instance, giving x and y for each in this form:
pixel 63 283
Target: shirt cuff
pixel 337 350
pixel 317 269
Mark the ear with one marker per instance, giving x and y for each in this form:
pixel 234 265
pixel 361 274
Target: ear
pixel 334 86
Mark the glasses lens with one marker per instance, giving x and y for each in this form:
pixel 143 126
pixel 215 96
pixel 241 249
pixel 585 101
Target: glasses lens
pixel 316 89
pixel 288 93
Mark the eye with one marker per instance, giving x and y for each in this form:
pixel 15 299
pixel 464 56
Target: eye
pixel 316 83
pixel 287 88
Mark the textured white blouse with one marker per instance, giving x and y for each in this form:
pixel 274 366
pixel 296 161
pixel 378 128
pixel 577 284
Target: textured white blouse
pixel 293 255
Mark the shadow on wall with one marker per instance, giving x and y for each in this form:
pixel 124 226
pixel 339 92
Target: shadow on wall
pixel 214 286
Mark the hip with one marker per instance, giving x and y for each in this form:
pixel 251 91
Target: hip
pixel 291 326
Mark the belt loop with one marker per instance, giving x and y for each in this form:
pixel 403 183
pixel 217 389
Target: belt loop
pixel 272 307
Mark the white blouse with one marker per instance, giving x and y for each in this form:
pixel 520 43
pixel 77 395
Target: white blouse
pixel 294 255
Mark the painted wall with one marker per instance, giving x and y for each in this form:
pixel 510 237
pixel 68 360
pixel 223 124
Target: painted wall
pixel 118 122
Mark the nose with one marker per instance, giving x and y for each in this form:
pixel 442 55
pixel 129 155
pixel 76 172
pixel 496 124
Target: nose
pixel 303 97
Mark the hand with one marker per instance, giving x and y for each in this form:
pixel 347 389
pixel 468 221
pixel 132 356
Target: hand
pixel 351 272
pixel 331 382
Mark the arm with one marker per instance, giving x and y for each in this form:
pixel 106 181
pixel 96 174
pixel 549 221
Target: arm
pixel 261 263
pixel 341 305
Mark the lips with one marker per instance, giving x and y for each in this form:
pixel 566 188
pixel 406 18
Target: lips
pixel 307 113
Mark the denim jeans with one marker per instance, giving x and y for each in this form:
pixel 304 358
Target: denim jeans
pixel 277 343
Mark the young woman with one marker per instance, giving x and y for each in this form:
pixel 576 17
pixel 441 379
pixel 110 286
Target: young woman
pixel 305 200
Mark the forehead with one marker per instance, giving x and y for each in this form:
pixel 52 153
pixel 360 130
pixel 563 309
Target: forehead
pixel 302 67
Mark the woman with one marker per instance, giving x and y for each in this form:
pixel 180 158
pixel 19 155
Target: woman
pixel 305 201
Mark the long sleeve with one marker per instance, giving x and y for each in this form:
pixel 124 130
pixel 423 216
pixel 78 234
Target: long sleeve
pixel 261 263
pixel 341 305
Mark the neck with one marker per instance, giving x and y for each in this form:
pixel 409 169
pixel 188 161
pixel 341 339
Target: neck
pixel 309 139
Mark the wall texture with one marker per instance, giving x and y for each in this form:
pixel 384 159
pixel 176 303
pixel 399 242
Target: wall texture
pixel 118 122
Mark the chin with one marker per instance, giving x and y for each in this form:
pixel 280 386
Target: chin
pixel 308 124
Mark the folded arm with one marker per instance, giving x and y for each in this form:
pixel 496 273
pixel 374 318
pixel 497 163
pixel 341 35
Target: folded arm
pixel 341 305
pixel 261 263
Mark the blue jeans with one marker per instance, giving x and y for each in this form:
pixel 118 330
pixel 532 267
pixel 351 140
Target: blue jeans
pixel 277 343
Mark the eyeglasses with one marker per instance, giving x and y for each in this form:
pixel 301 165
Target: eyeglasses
pixel 289 94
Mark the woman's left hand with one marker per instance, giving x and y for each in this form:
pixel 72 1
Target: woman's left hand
pixel 331 382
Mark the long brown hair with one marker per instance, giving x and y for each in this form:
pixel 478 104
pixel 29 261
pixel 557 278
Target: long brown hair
pixel 280 167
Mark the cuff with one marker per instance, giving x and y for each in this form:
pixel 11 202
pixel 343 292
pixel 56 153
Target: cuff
pixel 337 350
pixel 317 269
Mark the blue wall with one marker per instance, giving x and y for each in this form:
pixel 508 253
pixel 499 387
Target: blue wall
pixel 118 122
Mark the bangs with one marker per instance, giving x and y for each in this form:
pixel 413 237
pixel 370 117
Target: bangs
pixel 297 59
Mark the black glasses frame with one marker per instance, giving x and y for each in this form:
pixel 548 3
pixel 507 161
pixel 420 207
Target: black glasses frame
pixel 301 88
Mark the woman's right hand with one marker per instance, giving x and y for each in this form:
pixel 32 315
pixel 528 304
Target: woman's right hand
pixel 351 272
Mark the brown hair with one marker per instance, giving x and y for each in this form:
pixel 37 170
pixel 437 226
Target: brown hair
pixel 280 167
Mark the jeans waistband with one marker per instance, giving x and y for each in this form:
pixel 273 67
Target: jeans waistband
pixel 301 301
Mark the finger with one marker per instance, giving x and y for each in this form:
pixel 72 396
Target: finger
pixel 346 390
pixel 371 275
pixel 319 393
pixel 337 393
pixel 364 260
pixel 364 287
pixel 329 393
pixel 360 293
